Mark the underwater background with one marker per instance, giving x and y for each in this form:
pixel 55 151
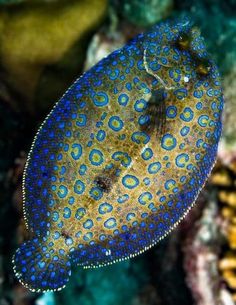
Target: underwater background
pixel 44 47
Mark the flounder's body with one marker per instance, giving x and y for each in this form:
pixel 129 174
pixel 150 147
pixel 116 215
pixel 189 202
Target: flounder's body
pixel 121 157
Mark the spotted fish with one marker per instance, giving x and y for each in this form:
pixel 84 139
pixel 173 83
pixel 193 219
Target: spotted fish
pixel 122 156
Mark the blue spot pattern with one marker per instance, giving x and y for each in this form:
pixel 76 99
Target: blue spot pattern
pixel 109 174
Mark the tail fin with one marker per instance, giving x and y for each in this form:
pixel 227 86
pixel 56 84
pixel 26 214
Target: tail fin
pixel 41 267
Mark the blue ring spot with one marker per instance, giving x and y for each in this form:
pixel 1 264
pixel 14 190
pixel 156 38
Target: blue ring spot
pixel 181 160
pixel 199 106
pixel 198 93
pixel 146 181
pixel 82 120
pixel 184 131
pixel 67 212
pixel 181 93
pixel 168 142
pixel 110 223
pixel 140 137
pixel 105 208
pixel 71 200
pixel 79 187
pixel 183 179
pixel 187 114
pixel 77 151
pixel 115 123
pixel 128 86
pixel 140 105
pixel 145 198
pixel 122 199
pixel 101 135
pixel 147 154
pixel 96 193
pixel 68 133
pixel 175 74
pixel 63 170
pixel 154 65
pixel 114 74
pixel 130 181
pixel 171 112
pixel 102 237
pixel 154 167
pixel 130 216
pixel 88 224
pixel 143 119
pixel 63 191
pixel 82 169
pixel 96 157
pixel 80 213
pixel 210 92
pixel 88 236
pixel 169 184
pixel 203 120
pixel 123 99
pixel 124 158
pixel 55 216
pixel 100 99
pixel 68 242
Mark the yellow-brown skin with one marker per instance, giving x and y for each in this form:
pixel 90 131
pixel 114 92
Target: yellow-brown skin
pixel 162 162
pixel 113 143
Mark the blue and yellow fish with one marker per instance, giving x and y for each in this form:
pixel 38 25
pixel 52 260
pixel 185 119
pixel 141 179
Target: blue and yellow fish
pixel 122 156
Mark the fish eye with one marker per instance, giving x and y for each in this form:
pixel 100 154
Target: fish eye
pixel 203 67
pixel 184 41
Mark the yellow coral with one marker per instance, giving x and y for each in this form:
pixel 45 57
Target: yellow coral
pixel 227 264
pixel 39 35
pixel 221 178
pixel 228 197
pixel 230 278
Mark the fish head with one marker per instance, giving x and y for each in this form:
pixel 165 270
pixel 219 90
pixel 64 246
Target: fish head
pixel 176 58
pixel 175 54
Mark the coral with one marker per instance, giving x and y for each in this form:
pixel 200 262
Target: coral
pixel 227 199
pixel 46 32
pixel 144 13
pixel 221 176
pixel 201 249
pixel 101 45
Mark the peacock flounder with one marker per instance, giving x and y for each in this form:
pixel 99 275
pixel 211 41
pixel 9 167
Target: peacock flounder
pixel 122 156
